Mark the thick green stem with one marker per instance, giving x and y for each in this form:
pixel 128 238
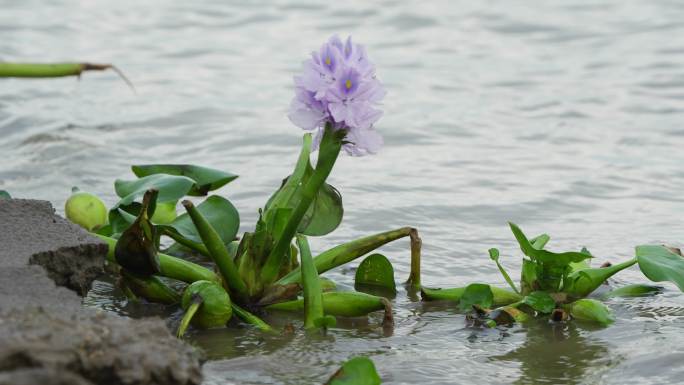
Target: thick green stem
pixel 331 143
pixel 416 244
pixel 171 267
pixel 54 70
pixel 347 252
pixel 251 318
pixel 218 252
pixel 189 313
pixel 313 302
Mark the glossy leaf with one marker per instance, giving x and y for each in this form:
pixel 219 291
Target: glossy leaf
pixel 218 211
pixel 544 256
pixel 357 371
pixel 171 188
pixel 375 270
pixel 476 294
pixel 5 195
pixel 325 213
pixel 540 301
pixel 659 263
pixel 205 179
pixel 583 282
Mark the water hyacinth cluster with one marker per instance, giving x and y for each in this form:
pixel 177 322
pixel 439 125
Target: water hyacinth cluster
pixel 338 86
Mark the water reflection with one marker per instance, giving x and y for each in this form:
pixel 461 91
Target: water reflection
pixel 559 353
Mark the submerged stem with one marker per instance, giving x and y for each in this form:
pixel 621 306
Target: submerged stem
pixel 251 318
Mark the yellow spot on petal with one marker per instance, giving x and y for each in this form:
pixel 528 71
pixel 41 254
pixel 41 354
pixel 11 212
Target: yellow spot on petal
pixel 327 61
pixel 348 84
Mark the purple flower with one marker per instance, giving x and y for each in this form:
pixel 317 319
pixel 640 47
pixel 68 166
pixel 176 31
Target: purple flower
pixel 338 86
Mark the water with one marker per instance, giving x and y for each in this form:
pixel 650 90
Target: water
pixel 565 117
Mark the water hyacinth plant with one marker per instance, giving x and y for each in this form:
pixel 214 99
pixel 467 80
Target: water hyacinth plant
pixel 270 268
pixel 556 285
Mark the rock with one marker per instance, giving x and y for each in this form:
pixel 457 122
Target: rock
pixel 41 376
pixel 47 337
pixel 31 233
pixel 97 346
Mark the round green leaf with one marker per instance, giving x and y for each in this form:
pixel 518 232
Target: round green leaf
pixel 4 195
pixel 324 214
pixel 171 188
pixel 476 294
pixel 356 371
pixel 205 179
pixel 218 211
pixel 375 270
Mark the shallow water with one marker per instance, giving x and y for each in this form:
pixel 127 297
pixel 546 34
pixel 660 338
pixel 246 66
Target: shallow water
pixel 565 117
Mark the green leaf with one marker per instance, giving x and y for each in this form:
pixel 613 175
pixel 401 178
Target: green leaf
pixel 546 257
pixel 540 301
pixel 171 188
pixel 376 270
pixel 356 371
pixel 494 255
pixel 325 213
pixel 205 179
pixel 218 211
pixel 658 263
pixel 476 294
pixel 5 195
pixel 635 290
pixel 590 310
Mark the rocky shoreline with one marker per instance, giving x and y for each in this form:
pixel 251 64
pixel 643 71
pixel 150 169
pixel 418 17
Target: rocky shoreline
pixel 47 337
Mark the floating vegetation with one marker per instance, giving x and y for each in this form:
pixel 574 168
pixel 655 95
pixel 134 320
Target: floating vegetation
pixel 556 285
pixel 270 268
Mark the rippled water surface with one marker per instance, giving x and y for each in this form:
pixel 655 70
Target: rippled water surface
pixel 566 117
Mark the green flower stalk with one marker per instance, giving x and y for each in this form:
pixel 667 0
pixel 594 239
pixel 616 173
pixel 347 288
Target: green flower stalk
pixel 330 147
pixel 218 252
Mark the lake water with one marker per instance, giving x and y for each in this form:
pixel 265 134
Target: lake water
pixel 566 117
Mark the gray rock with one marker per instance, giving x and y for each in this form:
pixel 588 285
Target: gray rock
pixel 31 233
pixel 47 337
